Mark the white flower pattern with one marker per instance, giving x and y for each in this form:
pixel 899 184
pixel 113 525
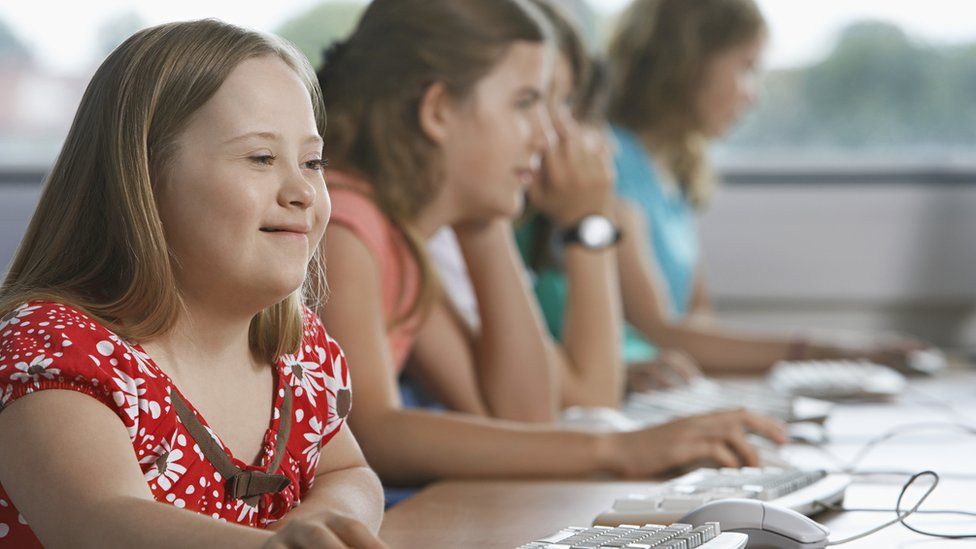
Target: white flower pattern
pixel 304 375
pixel 64 348
pixel 17 315
pixel 339 394
pixel 166 468
pixel 35 371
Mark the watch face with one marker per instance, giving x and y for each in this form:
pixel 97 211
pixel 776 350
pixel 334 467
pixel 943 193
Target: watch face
pixel 596 231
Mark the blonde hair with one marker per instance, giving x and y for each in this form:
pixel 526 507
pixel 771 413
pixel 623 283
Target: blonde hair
pixel 373 84
pixel 658 57
pixel 96 240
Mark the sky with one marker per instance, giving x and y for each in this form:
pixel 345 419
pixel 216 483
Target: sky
pixel 64 33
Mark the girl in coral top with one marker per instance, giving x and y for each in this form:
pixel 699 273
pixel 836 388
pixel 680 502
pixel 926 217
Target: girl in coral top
pixel 438 118
pixel 161 381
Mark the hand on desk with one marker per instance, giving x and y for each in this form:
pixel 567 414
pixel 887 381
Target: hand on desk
pixel 329 531
pixel 721 438
pixel 671 368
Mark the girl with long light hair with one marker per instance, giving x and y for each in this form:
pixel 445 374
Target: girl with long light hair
pixel 162 382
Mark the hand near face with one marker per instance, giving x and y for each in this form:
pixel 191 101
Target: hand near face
pixel 577 173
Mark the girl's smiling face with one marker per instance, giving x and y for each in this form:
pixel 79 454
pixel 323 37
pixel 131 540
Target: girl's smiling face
pixel 242 198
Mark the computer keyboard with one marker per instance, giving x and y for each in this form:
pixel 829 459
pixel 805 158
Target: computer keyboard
pixel 702 395
pixel 836 379
pixel 790 488
pixel 650 536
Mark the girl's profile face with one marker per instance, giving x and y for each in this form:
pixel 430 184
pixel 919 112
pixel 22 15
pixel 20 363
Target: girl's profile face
pixel 242 199
pixel 496 137
pixel 729 87
pixel 560 92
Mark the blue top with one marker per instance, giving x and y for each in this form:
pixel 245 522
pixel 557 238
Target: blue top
pixel 670 217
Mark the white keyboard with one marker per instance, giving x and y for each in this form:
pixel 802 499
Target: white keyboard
pixel 704 395
pixel 650 536
pixel 836 379
pixel 790 488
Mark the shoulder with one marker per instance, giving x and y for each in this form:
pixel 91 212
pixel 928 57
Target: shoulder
pixel 50 345
pixel 52 329
pixel 357 212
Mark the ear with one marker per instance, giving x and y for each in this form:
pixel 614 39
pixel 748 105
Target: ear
pixel 435 112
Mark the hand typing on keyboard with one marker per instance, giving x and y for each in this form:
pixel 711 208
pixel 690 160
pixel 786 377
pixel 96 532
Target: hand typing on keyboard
pixel 720 438
pixel 671 368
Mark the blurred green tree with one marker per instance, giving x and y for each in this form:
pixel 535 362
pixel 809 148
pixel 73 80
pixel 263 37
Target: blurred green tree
pixel 12 48
pixel 316 29
pixel 877 89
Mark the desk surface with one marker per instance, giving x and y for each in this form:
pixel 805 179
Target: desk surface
pixel 506 514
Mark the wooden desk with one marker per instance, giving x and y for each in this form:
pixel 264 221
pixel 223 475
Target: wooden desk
pixel 506 514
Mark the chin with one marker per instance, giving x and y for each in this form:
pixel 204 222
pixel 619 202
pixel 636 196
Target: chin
pixel 514 207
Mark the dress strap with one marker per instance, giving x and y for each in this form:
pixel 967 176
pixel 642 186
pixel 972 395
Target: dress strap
pixel 241 483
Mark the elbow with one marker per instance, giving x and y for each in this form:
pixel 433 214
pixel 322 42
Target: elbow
pixel 600 391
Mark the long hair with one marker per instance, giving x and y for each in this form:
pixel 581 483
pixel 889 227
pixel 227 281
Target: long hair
pixel 658 57
pixel 96 240
pixel 373 84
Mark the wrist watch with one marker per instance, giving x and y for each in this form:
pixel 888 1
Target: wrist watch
pixel 593 232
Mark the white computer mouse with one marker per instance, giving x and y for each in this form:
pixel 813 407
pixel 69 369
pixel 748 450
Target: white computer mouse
pixel 768 526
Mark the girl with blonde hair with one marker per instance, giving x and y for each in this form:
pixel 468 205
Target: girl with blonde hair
pixel 162 382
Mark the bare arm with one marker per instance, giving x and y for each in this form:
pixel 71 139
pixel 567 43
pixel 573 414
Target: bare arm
pixel 74 477
pixel 578 182
pixel 442 361
pixel 701 302
pixel 591 331
pixel 344 484
pixel 715 348
pixel 413 446
pixel 517 375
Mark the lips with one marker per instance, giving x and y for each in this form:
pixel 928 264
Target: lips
pixel 287 228
pixel 527 175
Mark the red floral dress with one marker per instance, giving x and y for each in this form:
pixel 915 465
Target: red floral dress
pixel 45 345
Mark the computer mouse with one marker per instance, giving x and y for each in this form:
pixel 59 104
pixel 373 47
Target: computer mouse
pixel 768 526
pixel 926 361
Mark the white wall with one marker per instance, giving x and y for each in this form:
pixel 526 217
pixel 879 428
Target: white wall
pixel 868 256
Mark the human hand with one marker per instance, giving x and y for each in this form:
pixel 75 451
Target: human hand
pixel 327 531
pixel 719 437
pixel 671 368
pixel 577 174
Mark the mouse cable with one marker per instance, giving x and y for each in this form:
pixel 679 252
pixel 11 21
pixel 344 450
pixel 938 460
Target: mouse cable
pixel 850 467
pixel 902 515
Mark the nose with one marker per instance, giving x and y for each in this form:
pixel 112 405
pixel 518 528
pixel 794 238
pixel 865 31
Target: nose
pixel 296 190
pixel 749 91
pixel 544 135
